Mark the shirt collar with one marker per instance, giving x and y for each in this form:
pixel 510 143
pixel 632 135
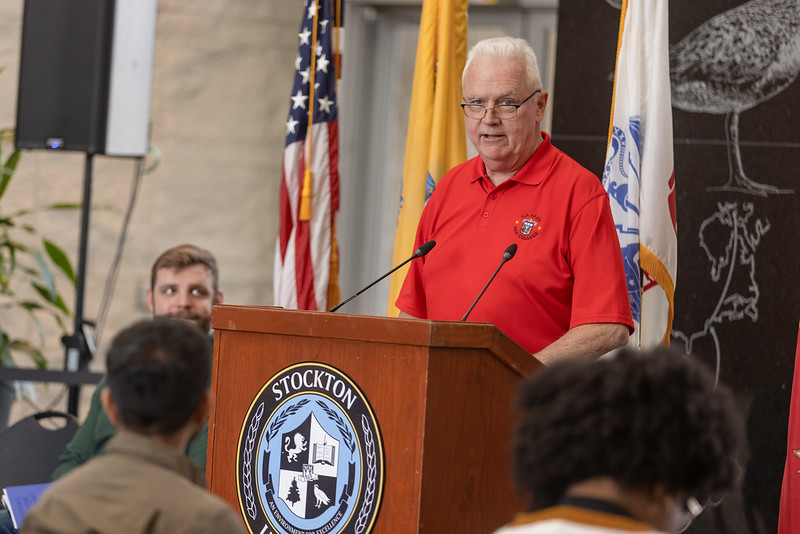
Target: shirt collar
pixel 132 444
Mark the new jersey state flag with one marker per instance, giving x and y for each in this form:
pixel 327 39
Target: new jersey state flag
pixel 789 517
pixel 638 175
pixel 306 257
pixel 435 141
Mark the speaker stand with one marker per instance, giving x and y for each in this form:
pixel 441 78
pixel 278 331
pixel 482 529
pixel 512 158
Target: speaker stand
pixel 79 346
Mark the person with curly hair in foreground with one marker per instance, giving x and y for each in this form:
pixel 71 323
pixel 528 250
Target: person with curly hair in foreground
pixel 637 442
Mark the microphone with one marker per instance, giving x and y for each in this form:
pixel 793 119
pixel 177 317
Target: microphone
pixel 421 251
pixel 507 255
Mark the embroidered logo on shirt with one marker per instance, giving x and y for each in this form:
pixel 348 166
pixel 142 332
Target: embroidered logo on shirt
pixel 310 455
pixel 528 226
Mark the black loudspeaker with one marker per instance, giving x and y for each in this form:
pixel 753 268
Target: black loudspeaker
pixel 85 75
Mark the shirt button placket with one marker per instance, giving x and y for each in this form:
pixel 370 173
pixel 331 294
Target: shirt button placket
pixel 488 207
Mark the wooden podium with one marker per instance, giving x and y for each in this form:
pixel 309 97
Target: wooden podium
pixel 442 393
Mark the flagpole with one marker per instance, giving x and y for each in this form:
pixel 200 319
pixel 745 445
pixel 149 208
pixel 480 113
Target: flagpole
pixel 337 50
pixel 622 13
pixel 305 196
pixel 334 293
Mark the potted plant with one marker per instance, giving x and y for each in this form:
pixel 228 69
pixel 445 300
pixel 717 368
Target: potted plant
pixel 28 263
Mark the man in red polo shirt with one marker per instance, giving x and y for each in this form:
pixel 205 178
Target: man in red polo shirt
pixel 564 293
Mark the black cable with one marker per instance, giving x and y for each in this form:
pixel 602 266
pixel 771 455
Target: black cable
pixel 113 271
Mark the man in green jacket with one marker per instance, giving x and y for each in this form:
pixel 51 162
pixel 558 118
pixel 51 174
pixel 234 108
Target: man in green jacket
pixel 184 285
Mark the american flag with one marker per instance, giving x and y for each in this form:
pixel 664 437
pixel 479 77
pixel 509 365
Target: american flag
pixel 306 259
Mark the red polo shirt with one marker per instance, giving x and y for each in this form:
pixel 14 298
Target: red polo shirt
pixel 568 267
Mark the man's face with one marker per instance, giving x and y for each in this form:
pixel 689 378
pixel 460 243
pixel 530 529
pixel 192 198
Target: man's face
pixel 504 145
pixel 186 294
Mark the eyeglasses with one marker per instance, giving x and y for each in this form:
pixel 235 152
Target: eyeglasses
pixel 501 111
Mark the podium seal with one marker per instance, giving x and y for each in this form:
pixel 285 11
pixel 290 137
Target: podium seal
pixel 310 457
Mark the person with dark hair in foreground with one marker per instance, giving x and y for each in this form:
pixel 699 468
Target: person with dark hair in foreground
pixel 637 442
pixel 158 376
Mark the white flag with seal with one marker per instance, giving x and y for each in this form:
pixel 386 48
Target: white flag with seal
pixel 639 173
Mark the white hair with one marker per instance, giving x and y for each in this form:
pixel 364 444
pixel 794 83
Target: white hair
pixel 507 48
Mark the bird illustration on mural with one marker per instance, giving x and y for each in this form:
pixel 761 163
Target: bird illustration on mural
pixel 733 62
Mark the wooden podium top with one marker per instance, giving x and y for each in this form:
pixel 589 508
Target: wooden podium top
pixel 417 332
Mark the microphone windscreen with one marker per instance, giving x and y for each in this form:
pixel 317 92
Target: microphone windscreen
pixel 510 251
pixel 424 248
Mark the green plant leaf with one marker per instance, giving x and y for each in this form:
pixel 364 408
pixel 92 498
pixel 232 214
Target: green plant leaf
pixel 29 271
pixel 5 351
pixel 45 274
pixel 54 299
pixel 8 263
pixel 25 347
pixel 6 267
pixel 8 170
pixel 58 206
pixel 37 322
pixel 60 322
pixel 60 259
pixel 63 206
pixel 30 305
pixel 7 345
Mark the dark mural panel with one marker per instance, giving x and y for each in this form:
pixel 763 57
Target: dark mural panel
pixel 737 303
